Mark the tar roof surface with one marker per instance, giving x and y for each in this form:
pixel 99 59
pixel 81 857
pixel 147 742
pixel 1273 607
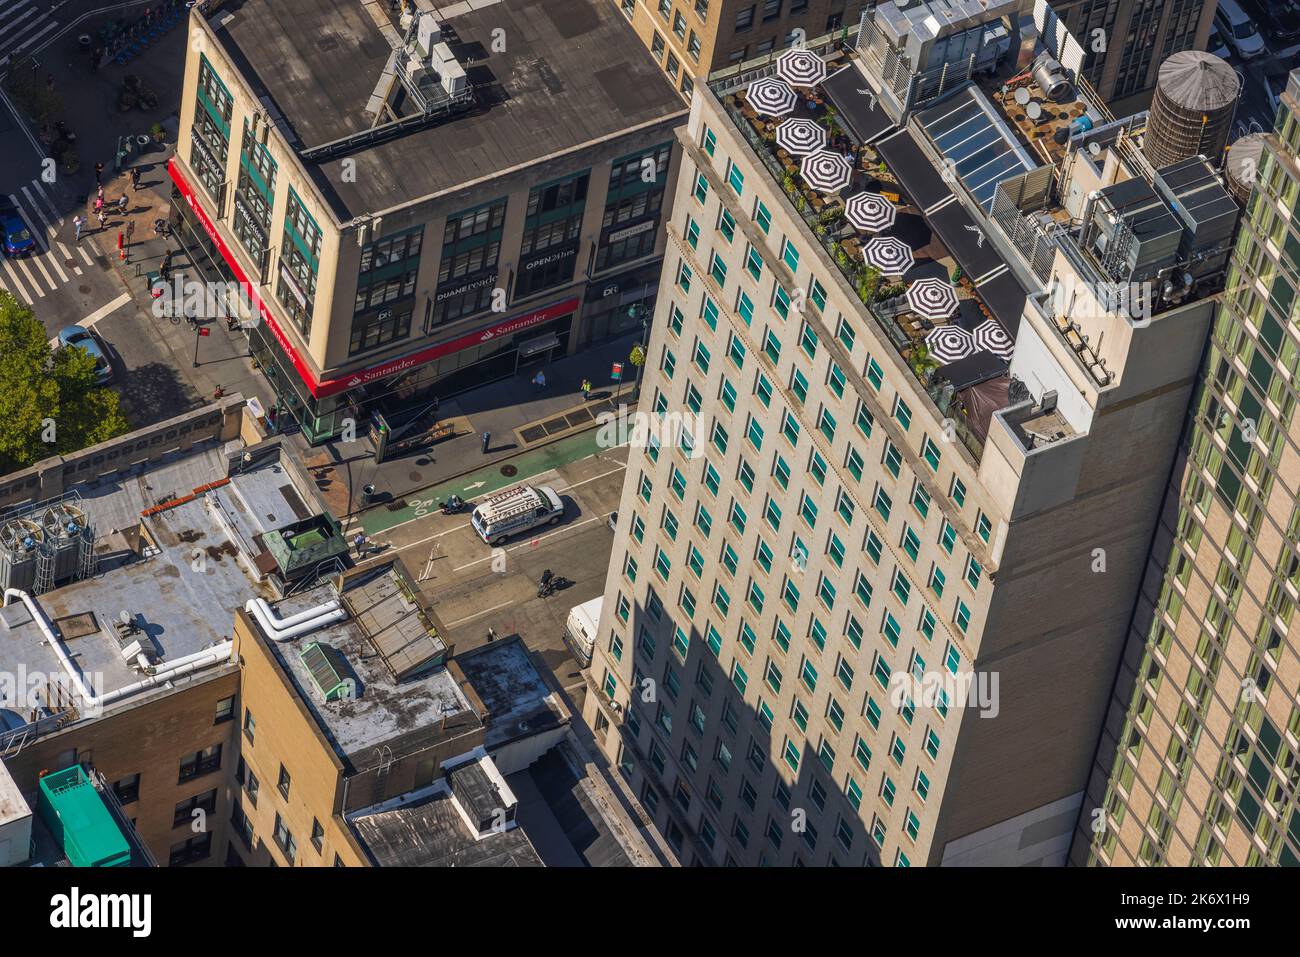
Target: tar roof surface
pixel 572 71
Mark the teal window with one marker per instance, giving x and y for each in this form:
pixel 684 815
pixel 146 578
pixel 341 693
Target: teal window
pixel 772 514
pixel 709 312
pixel 844 674
pixel 947 536
pixel 889 627
pixel 711 478
pixel 874 374
pixel 873 546
pixel 781 472
pixel 862 754
pixel 736 351
pixel 790 428
pixel 763 389
pixel 958 492
pixel 790 255
pixel 721 600
pixel 719 438
pixel 911 543
pixel 726 225
pixel 901 587
pixel 676 320
pixel 781 302
pixel 745 475
pixel 772 676
pixel 973 573
pixel 737 517
pixel 730 560
pixel 745 307
pixel 961 616
pixel 739 678
pixel 902 413
pixel 781 635
pixel 930 452
pixel 937 581
pixel 799 385
pixel 754 264
pixel 853 631
pixel 862 588
pixel 677 481
pixel 826 424
pixel 701 357
pixel 771 347
pixel 927 623
pixel 790 595
pixel 983 526
pixel 882 503
pixel 763 555
pixel 893 459
pixel 684 275
pixel 692 233
pixel 727 393
pixel 701 188
pixel 808 341
pixel 662 564
pixel 808 510
pixel 844 332
pixel 921 500
pixel 754 595
pixel 754 432
pixel 713 638
pixel 718 269
pixel 695 561
pixel 808 675
pixel 762 217
pixel 872 713
pixel 864 420
pixel 835 548
pixel 710 141
pixel 817 293
pixel 844 507
pixel 791 755
pixel 735 178
pixel 835 379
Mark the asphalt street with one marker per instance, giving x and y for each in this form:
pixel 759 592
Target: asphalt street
pixel 473 588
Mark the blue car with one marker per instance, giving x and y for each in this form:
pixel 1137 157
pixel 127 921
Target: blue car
pixel 18 239
pixel 83 338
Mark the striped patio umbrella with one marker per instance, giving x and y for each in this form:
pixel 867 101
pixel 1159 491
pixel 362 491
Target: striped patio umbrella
pixel 801 67
pixel 890 255
pixel 932 298
pixel 950 343
pixel 990 336
pixel 826 171
pixel 870 212
pixel 800 137
pixel 771 96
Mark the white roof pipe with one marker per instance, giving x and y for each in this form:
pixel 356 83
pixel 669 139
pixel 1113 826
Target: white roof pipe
pixel 323 616
pixel 174 669
pixel 280 624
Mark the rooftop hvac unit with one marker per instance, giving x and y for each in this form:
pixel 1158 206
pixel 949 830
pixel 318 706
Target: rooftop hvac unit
pixel 428 33
pixel 454 81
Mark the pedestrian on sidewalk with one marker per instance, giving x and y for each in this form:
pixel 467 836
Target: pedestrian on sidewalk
pixel 487 437
pixel 99 176
pixel 130 232
pixel 586 389
pixel 360 544
pixel 99 204
pixel 99 195
pixel 165 267
pixel 135 178
pixel 100 214
pixel 539 380
pixel 123 203
pixel 77 223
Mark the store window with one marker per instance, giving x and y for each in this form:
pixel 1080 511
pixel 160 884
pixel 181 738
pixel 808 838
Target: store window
pixel 386 290
pixel 549 250
pixel 295 285
pixel 471 250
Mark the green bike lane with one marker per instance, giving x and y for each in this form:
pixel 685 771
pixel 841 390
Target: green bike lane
pixel 483 481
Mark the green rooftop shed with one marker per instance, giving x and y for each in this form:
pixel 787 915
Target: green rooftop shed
pixel 75 814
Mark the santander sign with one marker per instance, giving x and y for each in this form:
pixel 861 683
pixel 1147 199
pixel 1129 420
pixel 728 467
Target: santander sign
pixel 321 388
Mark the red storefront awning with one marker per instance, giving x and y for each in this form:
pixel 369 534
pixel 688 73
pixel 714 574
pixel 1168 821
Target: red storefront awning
pixel 321 388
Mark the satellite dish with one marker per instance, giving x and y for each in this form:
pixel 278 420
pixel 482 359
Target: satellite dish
pixel 1022 95
pixel 1094 148
pixel 1034 110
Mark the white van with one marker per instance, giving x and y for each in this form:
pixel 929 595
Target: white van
pixel 516 510
pixel 1239 30
pixel 580 630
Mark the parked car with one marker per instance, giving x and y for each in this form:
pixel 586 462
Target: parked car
pixel 1279 18
pixel 1217 45
pixel 18 239
pixel 83 338
pixel 1239 30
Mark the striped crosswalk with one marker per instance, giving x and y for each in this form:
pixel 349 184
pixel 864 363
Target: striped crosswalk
pixel 24 24
pixel 55 263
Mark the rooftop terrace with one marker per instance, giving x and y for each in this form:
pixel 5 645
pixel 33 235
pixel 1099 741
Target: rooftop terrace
pixel 572 72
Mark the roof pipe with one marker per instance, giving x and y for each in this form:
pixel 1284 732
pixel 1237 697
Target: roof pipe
pixel 320 616
pixel 174 669
pixel 280 624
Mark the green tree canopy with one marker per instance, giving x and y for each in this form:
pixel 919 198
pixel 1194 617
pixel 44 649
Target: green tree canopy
pixel 47 394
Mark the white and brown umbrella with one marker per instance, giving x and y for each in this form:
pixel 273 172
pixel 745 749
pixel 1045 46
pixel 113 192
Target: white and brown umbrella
pixel 799 137
pixel 950 343
pixel 870 212
pixel 890 255
pixel 932 298
pixel 801 67
pixel 771 96
pixel 990 336
pixel 826 171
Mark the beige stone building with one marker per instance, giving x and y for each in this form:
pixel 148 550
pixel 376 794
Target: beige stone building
pixel 418 205
pixel 868 608
pixel 690 39
pixel 1197 762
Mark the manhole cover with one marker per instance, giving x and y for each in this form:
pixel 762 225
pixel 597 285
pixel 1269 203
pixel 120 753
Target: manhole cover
pixel 81 289
pixel 509 470
pixel 423 461
pixel 415 476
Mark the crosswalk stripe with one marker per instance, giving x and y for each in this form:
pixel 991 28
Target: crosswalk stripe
pixel 40 191
pixel 18 19
pixel 36 287
pixel 34 38
pixel 85 255
pixel 50 232
pixel 38 262
pixel 67 257
pixel 13 278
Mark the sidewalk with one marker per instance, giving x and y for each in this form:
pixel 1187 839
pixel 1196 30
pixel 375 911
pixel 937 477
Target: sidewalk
pixel 421 478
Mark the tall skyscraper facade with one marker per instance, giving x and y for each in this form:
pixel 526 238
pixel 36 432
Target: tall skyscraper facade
pixel 1198 760
pixel 866 606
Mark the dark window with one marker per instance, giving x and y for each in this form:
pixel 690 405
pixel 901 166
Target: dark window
pixel 284 840
pixel 200 763
pixel 225 710
pixel 317 835
pixel 284 782
pixel 184 813
pixel 127 789
pixel 250 726
pixel 195 849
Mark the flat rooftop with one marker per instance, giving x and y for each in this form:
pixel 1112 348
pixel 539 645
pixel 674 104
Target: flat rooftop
pixel 572 72
pixel 429 832
pixel 517 698
pixel 381 708
pixel 179 574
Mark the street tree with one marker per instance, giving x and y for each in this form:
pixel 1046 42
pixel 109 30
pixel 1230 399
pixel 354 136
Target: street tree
pixel 49 401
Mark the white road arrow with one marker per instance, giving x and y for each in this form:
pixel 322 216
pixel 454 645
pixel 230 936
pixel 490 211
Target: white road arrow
pixel 470 488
